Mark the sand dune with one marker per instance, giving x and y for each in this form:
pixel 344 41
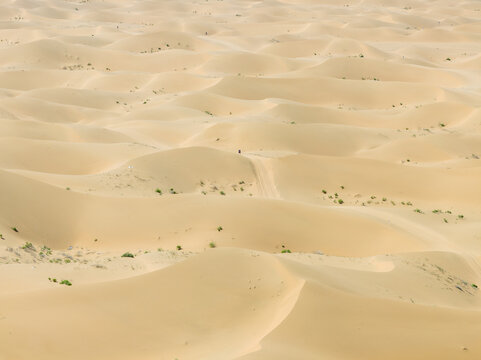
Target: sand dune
pixel 240 180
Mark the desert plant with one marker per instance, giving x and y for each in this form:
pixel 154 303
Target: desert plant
pixel 286 251
pixel 340 201
pixel 179 247
pixel 46 250
pixel 128 254
pixel 65 282
pixel 158 191
pixel 219 228
pixel 15 229
pixel 212 244
pixel 28 246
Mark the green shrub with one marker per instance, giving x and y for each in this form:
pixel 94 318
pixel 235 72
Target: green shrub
pixel 65 282
pixel 219 228
pixel 128 254
pixel 27 246
pixel 286 251
pixel 212 244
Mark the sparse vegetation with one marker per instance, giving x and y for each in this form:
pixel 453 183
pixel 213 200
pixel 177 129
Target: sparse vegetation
pixel 15 229
pixel 179 247
pixel 285 251
pixel 219 228
pixel 28 246
pixel 419 211
pixel 65 282
pixel 128 254
pixel 212 245
pixel 46 250
pixel 158 191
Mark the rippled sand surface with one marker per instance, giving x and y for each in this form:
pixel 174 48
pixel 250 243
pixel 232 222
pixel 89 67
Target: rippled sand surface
pixel 285 179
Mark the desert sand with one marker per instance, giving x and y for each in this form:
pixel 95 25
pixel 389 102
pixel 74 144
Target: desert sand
pixel 290 179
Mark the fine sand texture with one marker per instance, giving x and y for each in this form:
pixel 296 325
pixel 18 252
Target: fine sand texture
pixel 239 179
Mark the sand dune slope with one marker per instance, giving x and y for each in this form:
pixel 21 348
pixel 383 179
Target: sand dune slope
pixel 223 180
